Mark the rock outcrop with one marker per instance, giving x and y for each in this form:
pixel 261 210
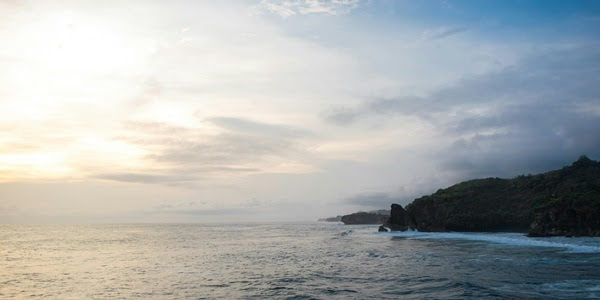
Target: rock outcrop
pixel 561 202
pixel 398 220
pixel 566 221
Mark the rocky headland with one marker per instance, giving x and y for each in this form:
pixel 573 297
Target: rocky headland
pixel 564 202
pixel 360 218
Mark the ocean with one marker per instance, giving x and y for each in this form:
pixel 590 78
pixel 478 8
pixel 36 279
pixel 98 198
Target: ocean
pixel 289 261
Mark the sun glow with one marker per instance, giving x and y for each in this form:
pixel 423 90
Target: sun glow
pixel 105 152
pixel 76 42
pixel 72 162
pixel 65 74
pixel 48 165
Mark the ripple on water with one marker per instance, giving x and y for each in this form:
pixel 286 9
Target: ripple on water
pixel 557 290
pixel 287 261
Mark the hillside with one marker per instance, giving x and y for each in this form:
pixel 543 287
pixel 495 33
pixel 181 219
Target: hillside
pixel 374 217
pixel 559 202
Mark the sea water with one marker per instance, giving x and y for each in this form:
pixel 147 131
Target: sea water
pixel 289 261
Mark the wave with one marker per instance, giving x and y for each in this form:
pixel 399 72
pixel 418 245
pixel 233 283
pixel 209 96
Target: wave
pixel 572 245
pixel 578 289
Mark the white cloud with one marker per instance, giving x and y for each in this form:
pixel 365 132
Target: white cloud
pixel 443 32
pixel 288 8
pixel 210 104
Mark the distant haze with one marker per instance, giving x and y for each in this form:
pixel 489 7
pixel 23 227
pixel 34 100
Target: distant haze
pixel 240 111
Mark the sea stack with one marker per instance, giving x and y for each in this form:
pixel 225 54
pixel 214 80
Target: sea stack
pixel 398 220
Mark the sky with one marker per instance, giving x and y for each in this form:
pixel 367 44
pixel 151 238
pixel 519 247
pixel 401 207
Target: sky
pixel 270 111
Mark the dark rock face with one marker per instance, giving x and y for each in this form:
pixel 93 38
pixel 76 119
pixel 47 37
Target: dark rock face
pixel 561 202
pixel 566 221
pixel 398 220
pixel 364 218
pixel 460 214
pixel 572 207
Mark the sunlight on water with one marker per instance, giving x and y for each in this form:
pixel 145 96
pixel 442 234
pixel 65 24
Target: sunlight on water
pixel 281 261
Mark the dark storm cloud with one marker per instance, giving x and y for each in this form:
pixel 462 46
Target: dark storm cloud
pixel 538 115
pixel 530 144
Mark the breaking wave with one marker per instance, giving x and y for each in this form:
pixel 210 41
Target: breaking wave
pixel 572 245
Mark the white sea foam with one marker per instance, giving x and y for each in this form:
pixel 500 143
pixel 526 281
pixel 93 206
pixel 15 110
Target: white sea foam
pixel 573 245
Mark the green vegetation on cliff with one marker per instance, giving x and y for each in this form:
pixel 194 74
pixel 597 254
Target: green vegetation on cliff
pixel 377 217
pixel 562 202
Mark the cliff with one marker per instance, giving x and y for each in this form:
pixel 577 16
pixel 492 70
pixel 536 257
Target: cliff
pixel 560 202
pixel 365 218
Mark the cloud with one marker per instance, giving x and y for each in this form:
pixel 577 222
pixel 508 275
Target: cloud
pixel 547 79
pixel 342 116
pixel 150 90
pixel 253 127
pixel 304 7
pixel 529 117
pixel 521 140
pixel 185 155
pixel 374 200
pixel 223 149
pixel 227 101
pixel 206 212
pixel 8 7
pixel 443 32
pixel 146 178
